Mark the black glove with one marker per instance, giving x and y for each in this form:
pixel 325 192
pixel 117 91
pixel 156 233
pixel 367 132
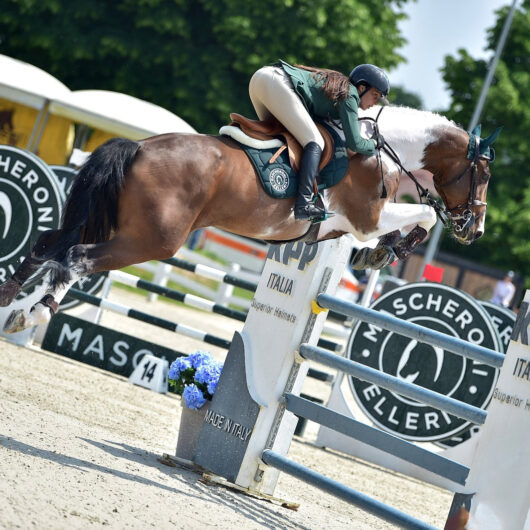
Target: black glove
pixel 378 139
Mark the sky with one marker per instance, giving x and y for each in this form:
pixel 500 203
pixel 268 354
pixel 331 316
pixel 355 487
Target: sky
pixel 437 28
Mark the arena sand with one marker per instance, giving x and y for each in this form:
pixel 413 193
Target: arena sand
pixel 80 448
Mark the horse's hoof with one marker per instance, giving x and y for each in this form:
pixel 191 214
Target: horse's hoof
pixel 360 259
pixel 8 292
pixel 16 321
pixel 381 257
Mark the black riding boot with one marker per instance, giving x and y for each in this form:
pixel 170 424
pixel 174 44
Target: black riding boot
pixel 304 209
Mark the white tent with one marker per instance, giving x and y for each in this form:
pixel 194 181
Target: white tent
pixel 48 109
pixel 28 85
pixel 117 113
pixel 25 93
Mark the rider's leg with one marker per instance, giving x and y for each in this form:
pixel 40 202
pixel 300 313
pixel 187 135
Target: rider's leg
pixel 272 92
pixel 304 209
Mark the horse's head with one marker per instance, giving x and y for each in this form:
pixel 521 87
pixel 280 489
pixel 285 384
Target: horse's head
pixel 460 162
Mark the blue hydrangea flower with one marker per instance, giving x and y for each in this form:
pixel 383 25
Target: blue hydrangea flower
pixel 199 370
pixel 177 366
pixel 193 397
pixel 212 386
pixel 199 358
pixel 206 372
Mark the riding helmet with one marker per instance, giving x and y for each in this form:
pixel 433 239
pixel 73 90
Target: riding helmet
pixel 370 75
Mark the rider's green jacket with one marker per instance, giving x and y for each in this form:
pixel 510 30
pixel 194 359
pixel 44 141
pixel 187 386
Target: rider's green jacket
pixel 318 105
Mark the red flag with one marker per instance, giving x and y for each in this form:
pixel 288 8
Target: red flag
pixel 432 273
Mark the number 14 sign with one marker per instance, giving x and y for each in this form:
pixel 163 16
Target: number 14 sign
pixel 151 372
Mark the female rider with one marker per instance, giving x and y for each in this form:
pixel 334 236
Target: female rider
pixel 296 95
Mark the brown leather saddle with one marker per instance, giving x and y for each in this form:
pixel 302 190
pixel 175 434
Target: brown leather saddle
pixel 272 128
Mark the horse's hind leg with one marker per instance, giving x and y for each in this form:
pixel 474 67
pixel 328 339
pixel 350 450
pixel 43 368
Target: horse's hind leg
pixel 82 260
pixel 36 257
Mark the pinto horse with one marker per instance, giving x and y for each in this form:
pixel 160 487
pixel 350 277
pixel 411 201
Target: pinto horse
pixel 138 201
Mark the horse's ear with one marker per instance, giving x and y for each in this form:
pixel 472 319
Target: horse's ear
pixel 477 130
pixel 491 138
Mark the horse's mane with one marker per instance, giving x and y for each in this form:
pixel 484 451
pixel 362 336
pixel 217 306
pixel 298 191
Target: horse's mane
pixel 407 118
pixel 407 130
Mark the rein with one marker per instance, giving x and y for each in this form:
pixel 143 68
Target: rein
pixel 423 193
pixel 443 212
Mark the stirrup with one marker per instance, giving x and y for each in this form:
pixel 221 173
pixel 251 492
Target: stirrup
pixel 310 212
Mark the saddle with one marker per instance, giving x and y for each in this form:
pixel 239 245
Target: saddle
pixel 272 128
pixel 276 155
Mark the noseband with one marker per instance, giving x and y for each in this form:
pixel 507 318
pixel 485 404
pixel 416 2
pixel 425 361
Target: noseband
pixel 465 220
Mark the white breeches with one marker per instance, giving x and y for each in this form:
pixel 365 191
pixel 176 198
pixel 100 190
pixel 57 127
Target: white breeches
pixel 272 92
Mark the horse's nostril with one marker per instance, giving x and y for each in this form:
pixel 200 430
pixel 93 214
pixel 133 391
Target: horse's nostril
pixel 478 234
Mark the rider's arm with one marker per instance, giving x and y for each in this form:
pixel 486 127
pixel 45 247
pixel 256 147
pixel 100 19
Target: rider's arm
pixel 350 125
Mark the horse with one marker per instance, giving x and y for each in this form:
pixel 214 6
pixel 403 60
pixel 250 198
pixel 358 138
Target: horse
pixel 135 201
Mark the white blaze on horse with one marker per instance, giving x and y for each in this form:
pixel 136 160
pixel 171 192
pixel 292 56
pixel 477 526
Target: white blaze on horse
pixel 138 201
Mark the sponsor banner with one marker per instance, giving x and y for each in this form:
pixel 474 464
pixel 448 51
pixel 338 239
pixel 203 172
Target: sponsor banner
pixel 499 482
pixel 503 319
pixel 65 177
pixel 443 309
pixel 100 346
pixel 30 204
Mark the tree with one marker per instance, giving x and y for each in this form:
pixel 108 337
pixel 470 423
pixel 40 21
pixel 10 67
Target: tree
pixel 399 96
pixel 506 243
pixel 195 57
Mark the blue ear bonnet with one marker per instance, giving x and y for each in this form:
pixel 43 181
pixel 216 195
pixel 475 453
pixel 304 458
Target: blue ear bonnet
pixel 485 150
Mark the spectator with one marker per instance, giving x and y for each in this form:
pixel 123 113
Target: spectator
pixel 504 291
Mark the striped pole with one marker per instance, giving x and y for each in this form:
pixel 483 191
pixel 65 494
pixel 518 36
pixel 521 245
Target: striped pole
pixel 212 274
pixel 185 298
pixel 149 319
pixel 195 301
pixel 221 276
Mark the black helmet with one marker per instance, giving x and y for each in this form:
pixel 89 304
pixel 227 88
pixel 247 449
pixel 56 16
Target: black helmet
pixel 370 75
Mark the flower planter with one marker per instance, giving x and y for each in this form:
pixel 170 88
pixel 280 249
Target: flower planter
pixel 190 427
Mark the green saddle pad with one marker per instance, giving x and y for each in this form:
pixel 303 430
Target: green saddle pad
pixel 278 178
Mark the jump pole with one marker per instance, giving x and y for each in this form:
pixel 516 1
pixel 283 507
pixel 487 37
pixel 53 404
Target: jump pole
pixel 121 309
pixel 190 300
pixel 248 429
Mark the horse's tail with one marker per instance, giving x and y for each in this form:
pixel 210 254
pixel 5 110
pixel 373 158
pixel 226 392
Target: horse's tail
pixel 91 210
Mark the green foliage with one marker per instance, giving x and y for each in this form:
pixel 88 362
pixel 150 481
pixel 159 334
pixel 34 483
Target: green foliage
pixel 186 377
pixel 399 96
pixel 506 243
pixel 194 57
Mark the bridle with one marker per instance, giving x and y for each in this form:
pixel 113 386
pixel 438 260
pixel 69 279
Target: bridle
pixel 465 220
pixel 448 216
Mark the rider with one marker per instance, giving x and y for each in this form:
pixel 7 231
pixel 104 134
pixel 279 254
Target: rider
pixel 296 95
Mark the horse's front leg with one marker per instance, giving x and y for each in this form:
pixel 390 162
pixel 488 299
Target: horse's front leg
pixel 397 216
pixel 380 256
pixel 424 218
pixel 394 217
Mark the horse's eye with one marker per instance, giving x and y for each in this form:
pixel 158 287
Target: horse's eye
pixel 485 177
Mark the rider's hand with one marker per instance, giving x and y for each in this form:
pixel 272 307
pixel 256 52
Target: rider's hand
pixel 378 140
